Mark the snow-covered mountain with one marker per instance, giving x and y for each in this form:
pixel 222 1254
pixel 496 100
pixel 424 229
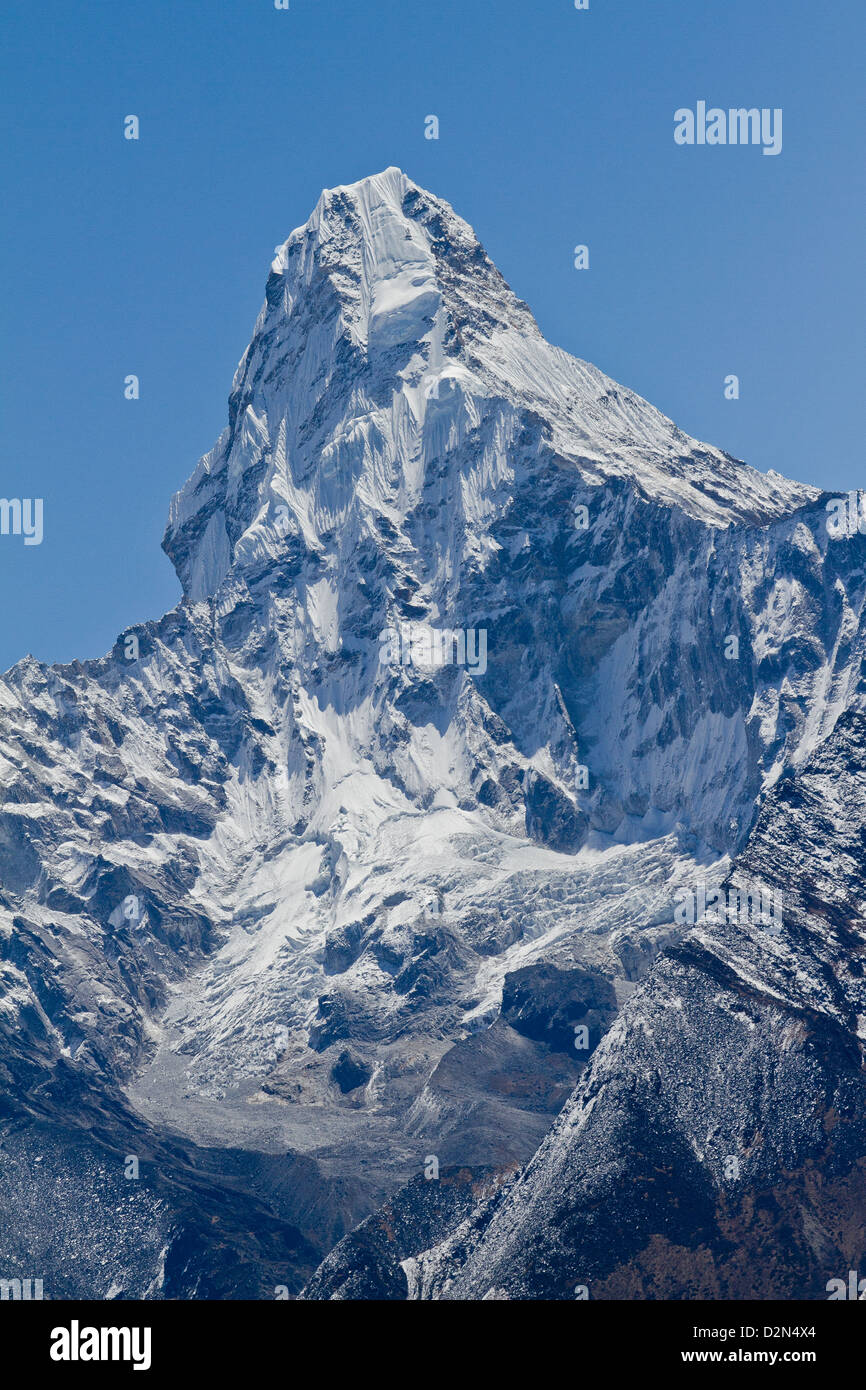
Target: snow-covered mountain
pixel 278 889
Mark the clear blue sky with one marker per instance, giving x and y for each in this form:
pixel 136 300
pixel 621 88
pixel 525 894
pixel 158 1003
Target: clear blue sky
pixel 556 129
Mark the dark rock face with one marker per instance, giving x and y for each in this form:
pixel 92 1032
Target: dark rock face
pixel 367 1264
pixel 551 817
pixel 349 1073
pixel 548 1004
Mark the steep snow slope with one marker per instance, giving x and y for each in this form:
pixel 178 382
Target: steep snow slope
pixel 273 885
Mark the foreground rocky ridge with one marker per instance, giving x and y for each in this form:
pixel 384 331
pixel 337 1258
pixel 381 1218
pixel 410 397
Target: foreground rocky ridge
pixel 270 893
pixel 715 1147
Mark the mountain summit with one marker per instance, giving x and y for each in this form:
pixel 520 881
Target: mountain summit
pixel 387 338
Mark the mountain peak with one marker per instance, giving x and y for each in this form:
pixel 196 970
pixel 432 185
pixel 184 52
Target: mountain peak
pixel 368 196
pixel 395 255
pixel 387 339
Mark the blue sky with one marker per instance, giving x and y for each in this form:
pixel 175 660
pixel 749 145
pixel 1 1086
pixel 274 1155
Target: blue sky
pixel 556 128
